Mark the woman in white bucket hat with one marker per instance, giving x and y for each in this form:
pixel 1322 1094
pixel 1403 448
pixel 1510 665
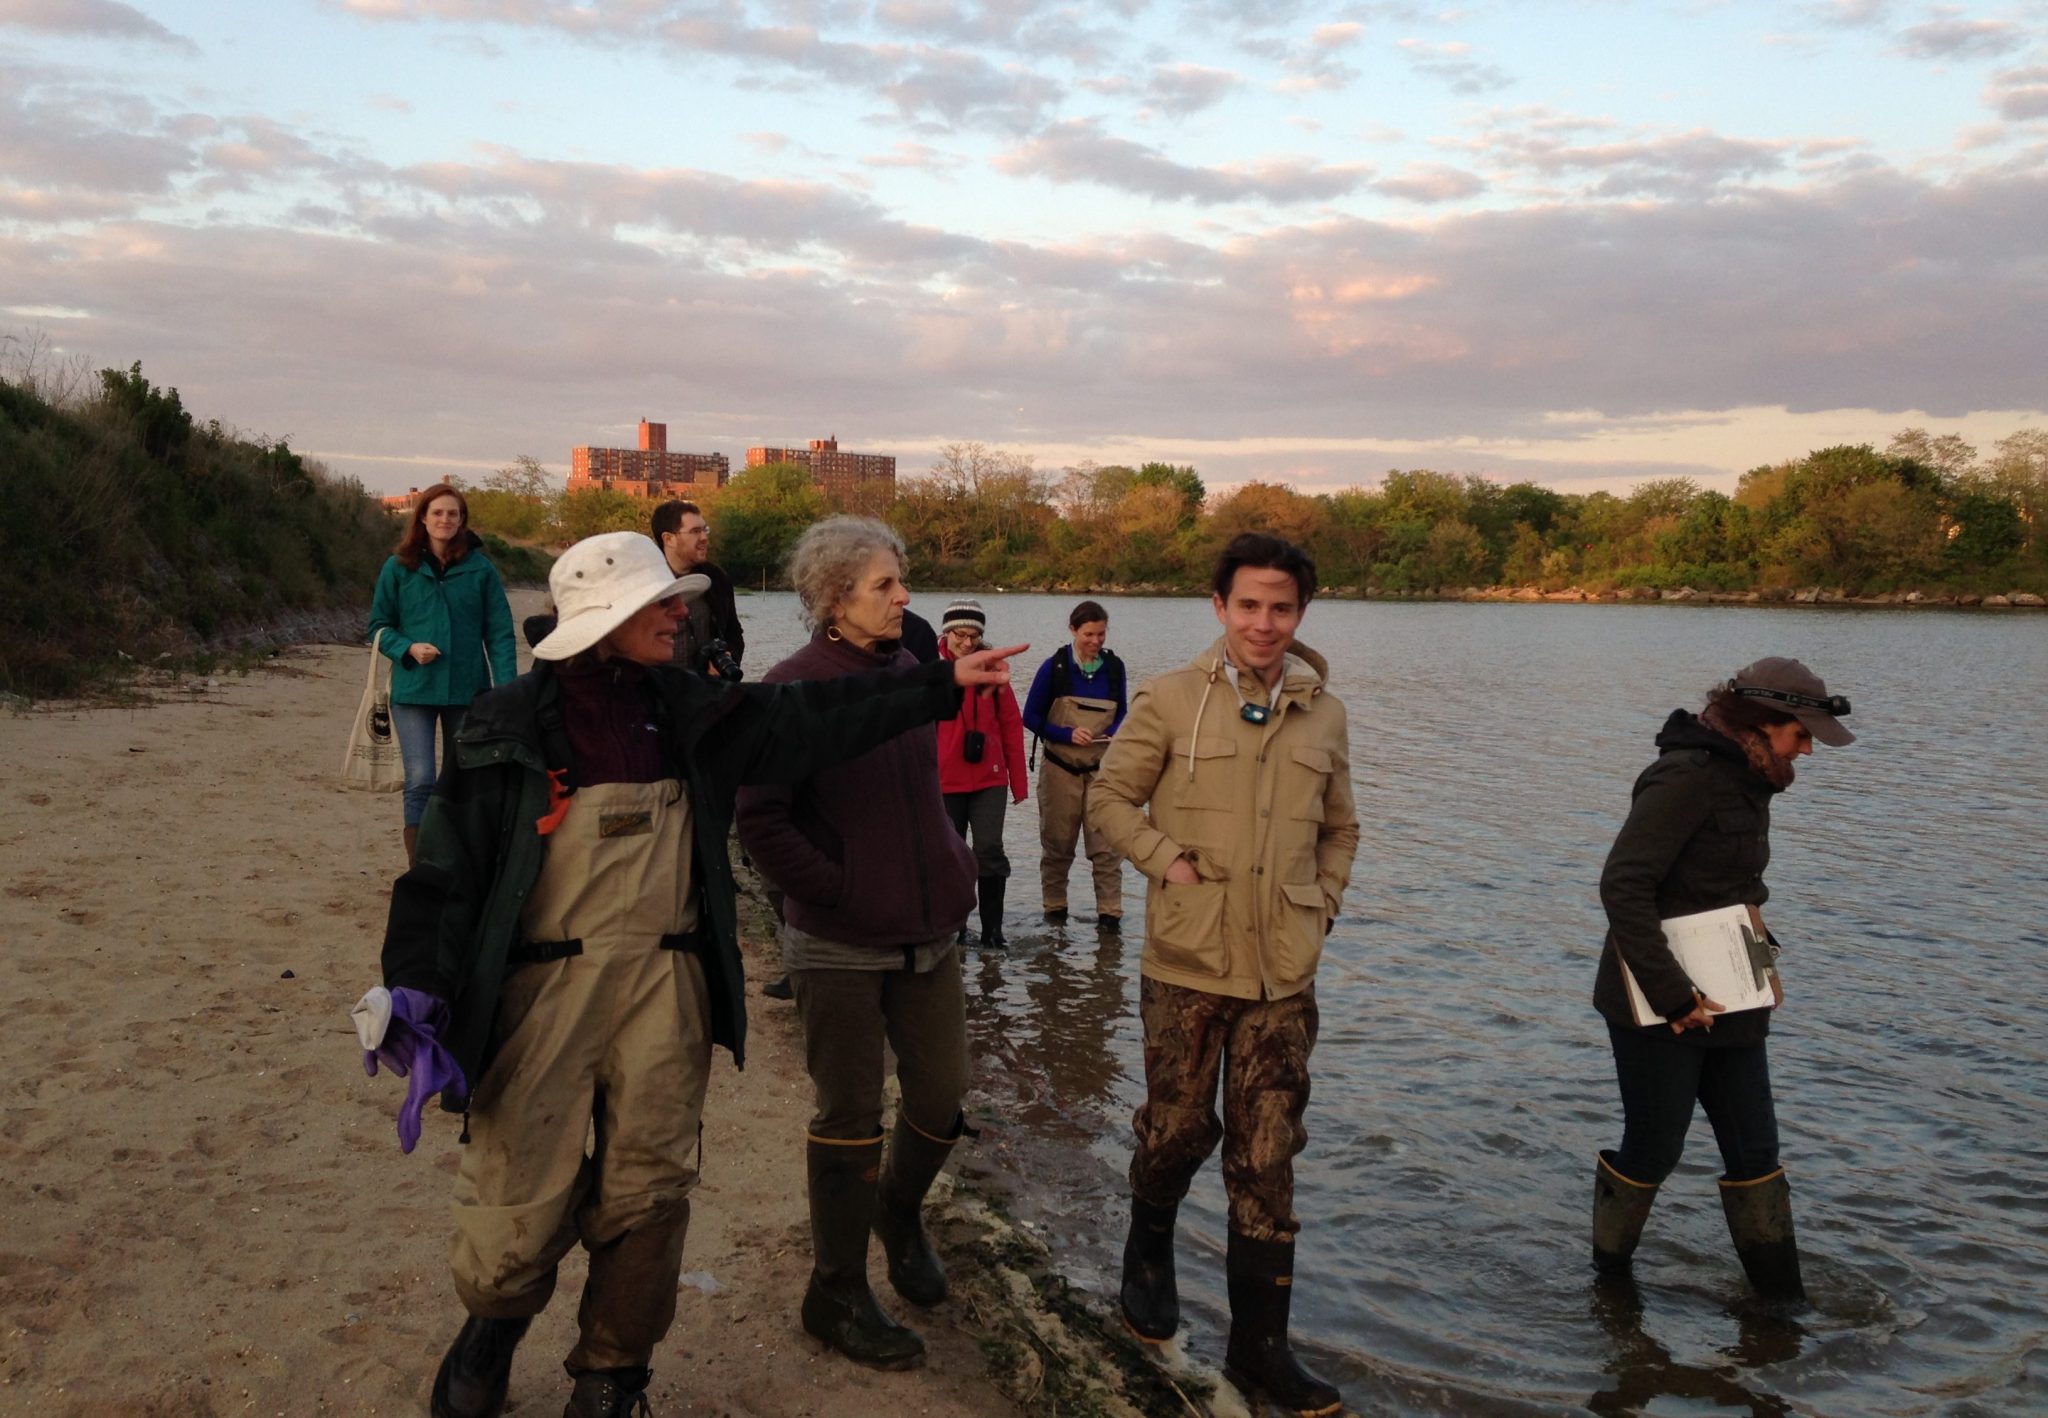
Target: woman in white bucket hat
pixel 567 942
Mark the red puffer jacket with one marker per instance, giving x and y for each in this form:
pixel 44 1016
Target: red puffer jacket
pixel 993 712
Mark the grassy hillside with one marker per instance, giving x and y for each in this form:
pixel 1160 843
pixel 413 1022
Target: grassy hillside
pixel 129 530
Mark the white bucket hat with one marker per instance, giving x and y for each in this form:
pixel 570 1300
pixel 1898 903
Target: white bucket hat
pixel 600 582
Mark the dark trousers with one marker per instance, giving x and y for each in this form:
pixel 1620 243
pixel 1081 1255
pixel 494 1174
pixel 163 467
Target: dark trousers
pixel 847 1016
pixel 1662 1076
pixel 982 810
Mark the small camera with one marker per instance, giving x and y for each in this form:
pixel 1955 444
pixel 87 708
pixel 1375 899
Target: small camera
pixel 719 655
pixel 973 744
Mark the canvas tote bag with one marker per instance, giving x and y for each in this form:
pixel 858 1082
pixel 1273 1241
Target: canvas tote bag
pixel 374 763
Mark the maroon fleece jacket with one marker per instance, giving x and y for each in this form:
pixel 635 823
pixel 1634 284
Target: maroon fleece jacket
pixel 863 852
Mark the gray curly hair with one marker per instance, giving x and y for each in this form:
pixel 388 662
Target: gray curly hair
pixel 827 560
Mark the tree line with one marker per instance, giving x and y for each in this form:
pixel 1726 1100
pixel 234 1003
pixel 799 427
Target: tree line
pixel 1926 512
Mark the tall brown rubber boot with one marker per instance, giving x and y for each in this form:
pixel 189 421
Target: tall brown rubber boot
pixel 839 1308
pixel 1620 1207
pixel 1759 1216
pixel 915 1158
pixel 412 845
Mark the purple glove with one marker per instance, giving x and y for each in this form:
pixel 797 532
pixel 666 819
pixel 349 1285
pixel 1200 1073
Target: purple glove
pixel 412 1048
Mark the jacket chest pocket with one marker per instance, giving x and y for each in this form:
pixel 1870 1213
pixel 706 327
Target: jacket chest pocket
pixel 1204 775
pixel 1304 779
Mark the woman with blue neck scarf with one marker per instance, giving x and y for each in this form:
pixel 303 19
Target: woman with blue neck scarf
pixel 1076 703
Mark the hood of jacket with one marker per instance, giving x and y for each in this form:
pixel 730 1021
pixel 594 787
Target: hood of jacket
pixel 1305 673
pixel 1683 731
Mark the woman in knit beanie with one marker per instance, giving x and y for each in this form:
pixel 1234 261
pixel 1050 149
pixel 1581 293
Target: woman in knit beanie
pixel 981 767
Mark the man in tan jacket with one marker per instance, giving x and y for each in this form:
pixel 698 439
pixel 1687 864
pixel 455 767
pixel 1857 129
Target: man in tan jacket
pixel 1229 787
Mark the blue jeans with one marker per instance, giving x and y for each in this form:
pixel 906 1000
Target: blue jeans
pixel 1662 1077
pixel 414 724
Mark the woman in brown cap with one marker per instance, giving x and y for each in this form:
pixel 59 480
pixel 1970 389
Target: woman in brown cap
pixel 1697 839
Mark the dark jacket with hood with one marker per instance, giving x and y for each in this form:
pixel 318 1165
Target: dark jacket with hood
pixel 863 852
pixel 455 915
pixel 1697 839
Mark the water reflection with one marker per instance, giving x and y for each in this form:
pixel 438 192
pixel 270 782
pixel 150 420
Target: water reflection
pixel 1644 1370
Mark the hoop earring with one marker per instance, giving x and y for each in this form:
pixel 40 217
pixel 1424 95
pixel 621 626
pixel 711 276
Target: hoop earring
pixel 832 633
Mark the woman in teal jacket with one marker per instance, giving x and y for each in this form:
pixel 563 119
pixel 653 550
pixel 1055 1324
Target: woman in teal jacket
pixel 448 630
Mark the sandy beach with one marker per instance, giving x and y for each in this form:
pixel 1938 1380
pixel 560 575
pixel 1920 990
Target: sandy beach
pixel 209 1213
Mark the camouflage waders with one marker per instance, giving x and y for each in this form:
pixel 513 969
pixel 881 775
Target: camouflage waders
pixel 1260 1048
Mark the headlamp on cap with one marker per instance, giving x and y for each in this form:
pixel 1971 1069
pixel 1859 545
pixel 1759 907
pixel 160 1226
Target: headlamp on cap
pixel 1836 705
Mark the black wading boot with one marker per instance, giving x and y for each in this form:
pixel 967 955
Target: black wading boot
pixel 1620 1207
pixel 989 891
pixel 1760 1221
pixel 476 1369
pixel 610 1393
pixel 1259 1359
pixel 839 1309
pixel 1151 1301
pixel 915 1157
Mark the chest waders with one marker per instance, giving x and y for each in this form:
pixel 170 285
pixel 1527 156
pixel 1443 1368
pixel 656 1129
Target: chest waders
pixel 602 1031
pixel 1063 782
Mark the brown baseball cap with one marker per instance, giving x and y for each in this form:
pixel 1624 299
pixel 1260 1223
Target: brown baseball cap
pixel 1791 688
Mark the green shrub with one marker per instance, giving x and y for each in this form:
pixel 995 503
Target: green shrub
pixel 131 532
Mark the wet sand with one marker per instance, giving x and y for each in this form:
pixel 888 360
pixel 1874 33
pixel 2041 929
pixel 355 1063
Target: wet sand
pixel 208 1212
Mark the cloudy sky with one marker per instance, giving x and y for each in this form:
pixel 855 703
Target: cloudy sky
pixel 1584 242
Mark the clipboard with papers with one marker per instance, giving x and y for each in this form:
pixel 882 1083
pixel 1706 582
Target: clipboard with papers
pixel 1721 953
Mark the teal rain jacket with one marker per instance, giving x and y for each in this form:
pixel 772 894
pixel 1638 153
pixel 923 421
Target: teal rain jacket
pixel 461 610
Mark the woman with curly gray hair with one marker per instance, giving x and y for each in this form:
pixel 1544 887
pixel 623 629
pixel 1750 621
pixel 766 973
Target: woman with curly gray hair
pixel 876 884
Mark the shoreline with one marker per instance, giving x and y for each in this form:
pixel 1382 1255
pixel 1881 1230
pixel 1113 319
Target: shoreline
pixel 212 1213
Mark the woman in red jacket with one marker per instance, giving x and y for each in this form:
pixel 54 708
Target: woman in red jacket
pixel 981 763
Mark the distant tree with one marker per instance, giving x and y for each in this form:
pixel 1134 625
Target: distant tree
pixel 1181 480
pixel 523 477
pixel 1353 531
pixel 1266 507
pixel 1453 556
pixel 1986 529
pixel 157 415
pixel 587 511
pixel 1947 453
pixel 759 516
pixel 1429 496
pixel 1664 497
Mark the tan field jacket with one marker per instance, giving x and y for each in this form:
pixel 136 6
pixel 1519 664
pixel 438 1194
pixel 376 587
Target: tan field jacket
pixel 1263 811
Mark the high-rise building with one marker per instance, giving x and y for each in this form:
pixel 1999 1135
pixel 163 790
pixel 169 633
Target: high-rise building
pixel 650 470
pixel 834 472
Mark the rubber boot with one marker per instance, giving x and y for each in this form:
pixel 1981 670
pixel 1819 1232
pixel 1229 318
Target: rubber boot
pixel 915 1157
pixel 1760 1221
pixel 610 1393
pixel 1259 1360
pixel 477 1368
pixel 839 1308
pixel 629 1299
pixel 1620 1207
pixel 412 845
pixel 1150 1299
pixel 989 891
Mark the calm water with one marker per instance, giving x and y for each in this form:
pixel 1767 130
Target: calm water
pixel 1462 1080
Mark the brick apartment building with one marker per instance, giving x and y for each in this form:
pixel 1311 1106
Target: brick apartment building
pixel 651 470
pixel 839 474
